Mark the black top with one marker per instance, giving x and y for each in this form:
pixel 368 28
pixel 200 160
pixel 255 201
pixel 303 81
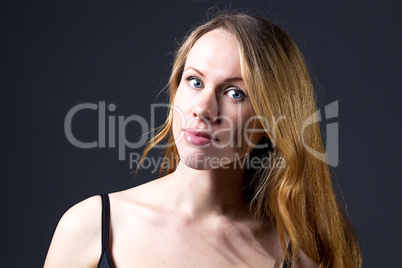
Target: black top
pixel 105 261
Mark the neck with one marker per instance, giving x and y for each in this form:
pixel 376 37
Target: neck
pixel 198 193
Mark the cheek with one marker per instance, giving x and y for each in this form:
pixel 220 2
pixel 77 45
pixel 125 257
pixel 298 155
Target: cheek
pixel 179 109
pixel 178 123
pixel 181 99
pixel 255 134
pixel 248 132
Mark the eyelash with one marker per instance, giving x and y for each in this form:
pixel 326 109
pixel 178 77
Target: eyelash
pixel 226 91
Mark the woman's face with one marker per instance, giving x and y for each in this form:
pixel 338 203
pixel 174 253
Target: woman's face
pixel 214 122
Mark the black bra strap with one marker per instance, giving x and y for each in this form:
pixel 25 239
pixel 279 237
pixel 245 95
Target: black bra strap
pixel 287 264
pixel 105 222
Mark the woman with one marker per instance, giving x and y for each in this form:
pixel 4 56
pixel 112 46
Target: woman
pixel 240 188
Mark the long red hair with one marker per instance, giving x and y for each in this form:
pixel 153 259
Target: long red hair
pixel 299 197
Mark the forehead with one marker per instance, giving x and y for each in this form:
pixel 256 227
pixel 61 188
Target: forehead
pixel 216 50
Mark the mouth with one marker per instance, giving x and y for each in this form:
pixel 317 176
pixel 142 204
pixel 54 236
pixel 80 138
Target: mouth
pixel 197 137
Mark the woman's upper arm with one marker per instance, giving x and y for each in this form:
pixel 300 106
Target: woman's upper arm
pixel 77 239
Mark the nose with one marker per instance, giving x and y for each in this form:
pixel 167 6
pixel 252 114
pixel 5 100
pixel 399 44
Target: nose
pixel 206 106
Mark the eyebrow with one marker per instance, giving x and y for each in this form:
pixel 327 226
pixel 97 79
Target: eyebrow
pixel 232 79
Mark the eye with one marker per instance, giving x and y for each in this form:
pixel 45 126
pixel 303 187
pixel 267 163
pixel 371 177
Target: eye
pixel 236 94
pixel 195 82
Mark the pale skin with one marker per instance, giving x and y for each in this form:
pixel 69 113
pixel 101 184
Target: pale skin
pixel 195 218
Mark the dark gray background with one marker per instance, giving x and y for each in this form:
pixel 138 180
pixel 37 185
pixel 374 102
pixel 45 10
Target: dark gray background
pixel 57 55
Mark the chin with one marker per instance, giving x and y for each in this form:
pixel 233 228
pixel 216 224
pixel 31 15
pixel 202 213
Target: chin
pixel 205 158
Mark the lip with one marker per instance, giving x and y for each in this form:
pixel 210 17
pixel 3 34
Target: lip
pixel 197 137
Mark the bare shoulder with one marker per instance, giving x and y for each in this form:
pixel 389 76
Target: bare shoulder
pixel 304 261
pixel 138 201
pixel 78 231
pixel 147 194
